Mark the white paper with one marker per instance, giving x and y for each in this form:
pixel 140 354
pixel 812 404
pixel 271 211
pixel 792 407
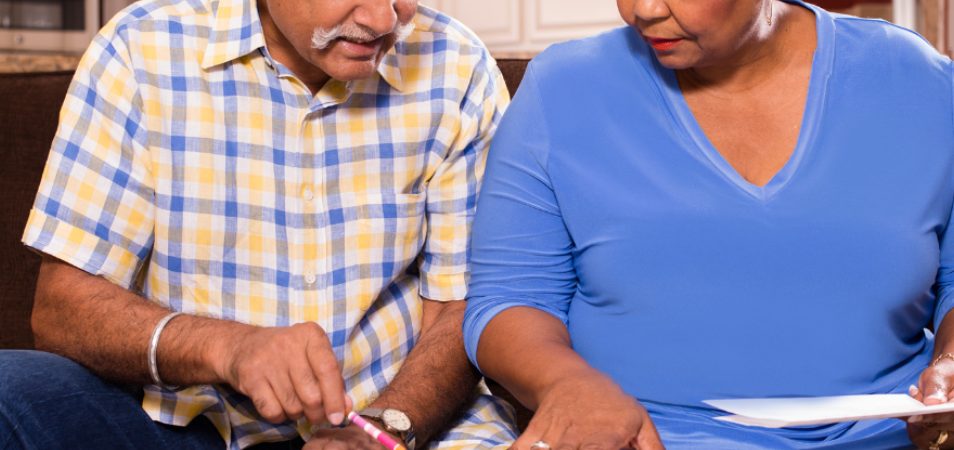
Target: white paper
pixel 789 412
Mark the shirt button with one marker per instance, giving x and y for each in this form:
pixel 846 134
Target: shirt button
pixel 308 194
pixel 310 278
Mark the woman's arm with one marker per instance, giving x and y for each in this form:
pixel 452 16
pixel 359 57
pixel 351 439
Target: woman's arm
pixel 936 384
pixel 528 351
pixel 523 279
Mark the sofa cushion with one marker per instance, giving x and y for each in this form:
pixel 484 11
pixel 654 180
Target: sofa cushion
pixel 27 124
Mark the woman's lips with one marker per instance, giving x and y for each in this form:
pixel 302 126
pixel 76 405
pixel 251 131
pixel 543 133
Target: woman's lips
pixel 662 45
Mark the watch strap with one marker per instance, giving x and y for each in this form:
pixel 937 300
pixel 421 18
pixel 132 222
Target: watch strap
pixel 377 414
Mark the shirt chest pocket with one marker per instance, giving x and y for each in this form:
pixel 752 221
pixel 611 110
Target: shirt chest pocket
pixel 380 233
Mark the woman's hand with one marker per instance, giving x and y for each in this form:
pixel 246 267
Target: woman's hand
pixel 589 411
pixel 348 438
pixel 935 386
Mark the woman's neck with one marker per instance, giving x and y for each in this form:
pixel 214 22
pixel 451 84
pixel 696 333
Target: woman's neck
pixel 771 50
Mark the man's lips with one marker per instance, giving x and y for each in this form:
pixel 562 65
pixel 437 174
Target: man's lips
pixel 361 49
pixel 661 44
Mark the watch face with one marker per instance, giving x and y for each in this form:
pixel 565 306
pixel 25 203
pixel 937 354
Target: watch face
pixel 396 419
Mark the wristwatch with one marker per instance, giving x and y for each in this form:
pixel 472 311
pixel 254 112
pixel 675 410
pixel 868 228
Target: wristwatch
pixel 395 422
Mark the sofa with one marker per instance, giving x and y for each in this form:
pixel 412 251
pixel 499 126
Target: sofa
pixel 28 118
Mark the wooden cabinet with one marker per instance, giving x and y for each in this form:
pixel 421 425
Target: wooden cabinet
pixel 525 27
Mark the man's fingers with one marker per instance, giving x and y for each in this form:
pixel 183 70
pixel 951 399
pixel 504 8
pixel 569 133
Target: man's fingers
pixel 308 390
pixel 324 365
pixel 266 403
pixel 281 385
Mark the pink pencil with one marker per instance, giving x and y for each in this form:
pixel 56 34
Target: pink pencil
pixel 375 432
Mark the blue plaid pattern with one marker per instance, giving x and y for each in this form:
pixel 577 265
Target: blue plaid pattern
pixel 192 167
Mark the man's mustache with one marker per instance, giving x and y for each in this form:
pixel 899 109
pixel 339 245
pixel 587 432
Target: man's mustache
pixel 322 38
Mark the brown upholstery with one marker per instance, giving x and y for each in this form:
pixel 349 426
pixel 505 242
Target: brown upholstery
pixel 28 116
pixel 512 70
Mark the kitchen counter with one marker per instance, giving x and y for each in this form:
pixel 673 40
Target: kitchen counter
pixel 37 62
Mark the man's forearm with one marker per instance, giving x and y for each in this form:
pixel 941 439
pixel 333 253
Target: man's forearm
pixel 436 380
pixel 107 329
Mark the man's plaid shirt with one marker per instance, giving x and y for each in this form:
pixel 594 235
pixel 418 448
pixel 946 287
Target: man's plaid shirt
pixel 191 167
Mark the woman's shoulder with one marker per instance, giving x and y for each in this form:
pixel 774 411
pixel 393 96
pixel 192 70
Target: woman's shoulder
pixel 879 41
pixel 591 59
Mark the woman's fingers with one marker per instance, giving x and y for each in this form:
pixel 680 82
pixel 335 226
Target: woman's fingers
pixel 533 433
pixel 648 438
pixel 935 384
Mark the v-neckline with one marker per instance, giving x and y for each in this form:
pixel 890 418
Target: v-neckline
pixel 822 61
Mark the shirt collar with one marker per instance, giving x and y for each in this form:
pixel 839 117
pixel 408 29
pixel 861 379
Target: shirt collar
pixel 237 31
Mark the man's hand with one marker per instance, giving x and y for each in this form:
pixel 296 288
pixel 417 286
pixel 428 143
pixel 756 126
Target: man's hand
pixel 288 372
pixel 347 438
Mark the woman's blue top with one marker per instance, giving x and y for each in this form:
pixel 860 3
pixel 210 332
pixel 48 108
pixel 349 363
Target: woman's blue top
pixel 605 205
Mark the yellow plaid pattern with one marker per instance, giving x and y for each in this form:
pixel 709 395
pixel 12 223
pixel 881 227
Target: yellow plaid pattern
pixel 193 168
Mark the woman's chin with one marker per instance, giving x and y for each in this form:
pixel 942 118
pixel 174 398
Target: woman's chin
pixel 674 61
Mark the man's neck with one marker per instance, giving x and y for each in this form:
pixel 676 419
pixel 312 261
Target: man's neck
pixel 284 52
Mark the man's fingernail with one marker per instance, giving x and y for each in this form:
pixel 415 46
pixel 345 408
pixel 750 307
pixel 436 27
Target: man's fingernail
pixel 913 390
pixel 939 395
pixel 335 418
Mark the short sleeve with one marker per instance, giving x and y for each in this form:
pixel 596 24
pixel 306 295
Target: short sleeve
pixel 94 207
pixel 452 190
pixel 522 251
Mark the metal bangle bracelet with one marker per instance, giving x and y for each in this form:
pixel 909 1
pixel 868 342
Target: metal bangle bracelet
pixel 153 347
pixel 943 356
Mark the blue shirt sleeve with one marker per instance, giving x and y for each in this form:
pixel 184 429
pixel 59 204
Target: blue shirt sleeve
pixel 521 249
pixel 945 272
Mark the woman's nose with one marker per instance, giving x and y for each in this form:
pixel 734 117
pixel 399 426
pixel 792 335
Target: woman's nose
pixel 650 10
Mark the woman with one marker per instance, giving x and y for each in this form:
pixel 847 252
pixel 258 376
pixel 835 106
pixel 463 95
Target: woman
pixel 729 198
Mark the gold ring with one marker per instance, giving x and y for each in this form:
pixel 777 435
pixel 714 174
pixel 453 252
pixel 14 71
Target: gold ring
pixel 941 438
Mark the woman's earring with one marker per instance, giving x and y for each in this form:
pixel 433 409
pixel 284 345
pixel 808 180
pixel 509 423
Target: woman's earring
pixel 768 17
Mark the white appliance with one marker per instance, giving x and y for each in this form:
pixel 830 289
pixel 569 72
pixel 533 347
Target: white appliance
pixel 48 25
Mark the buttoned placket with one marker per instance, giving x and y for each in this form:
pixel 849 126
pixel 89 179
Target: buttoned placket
pixel 310 243
pixel 317 260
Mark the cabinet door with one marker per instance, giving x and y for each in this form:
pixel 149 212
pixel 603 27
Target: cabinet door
pixel 550 21
pixel 522 27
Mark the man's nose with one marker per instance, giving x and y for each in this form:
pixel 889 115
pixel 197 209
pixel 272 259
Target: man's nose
pixel 377 15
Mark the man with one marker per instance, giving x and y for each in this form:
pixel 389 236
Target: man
pixel 297 178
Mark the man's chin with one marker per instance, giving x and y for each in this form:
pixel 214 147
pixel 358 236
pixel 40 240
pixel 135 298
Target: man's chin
pixel 354 70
